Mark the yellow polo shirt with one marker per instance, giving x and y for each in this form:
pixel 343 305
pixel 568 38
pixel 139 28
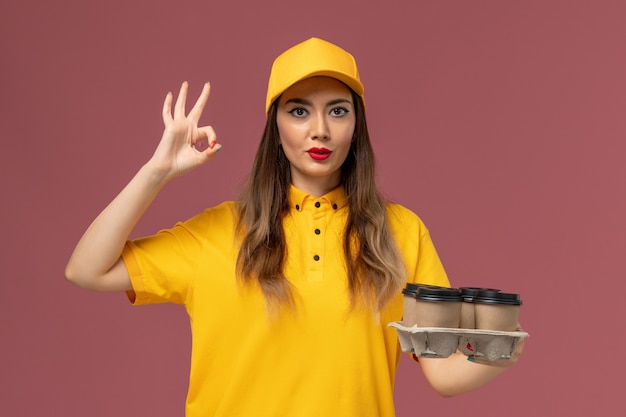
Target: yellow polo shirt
pixel 321 360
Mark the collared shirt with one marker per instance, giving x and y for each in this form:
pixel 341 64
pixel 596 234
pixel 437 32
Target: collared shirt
pixel 320 359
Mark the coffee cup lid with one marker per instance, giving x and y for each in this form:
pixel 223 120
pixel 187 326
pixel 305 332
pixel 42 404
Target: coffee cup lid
pixel 411 289
pixel 432 293
pixel 497 297
pixel 468 293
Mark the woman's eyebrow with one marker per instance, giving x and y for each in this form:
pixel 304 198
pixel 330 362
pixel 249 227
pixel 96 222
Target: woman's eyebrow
pixel 309 103
pixel 299 101
pixel 338 101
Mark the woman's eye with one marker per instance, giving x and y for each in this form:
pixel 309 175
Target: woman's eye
pixel 298 112
pixel 339 111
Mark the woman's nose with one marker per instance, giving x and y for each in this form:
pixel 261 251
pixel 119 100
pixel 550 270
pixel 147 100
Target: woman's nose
pixel 319 127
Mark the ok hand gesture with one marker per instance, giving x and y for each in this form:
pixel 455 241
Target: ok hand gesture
pixel 184 146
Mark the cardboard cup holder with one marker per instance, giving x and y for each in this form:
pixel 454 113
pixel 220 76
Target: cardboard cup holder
pixel 440 342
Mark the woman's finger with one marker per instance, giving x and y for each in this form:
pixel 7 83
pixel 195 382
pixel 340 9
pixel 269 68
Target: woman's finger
pixel 179 109
pixel 167 108
pixel 206 140
pixel 198 108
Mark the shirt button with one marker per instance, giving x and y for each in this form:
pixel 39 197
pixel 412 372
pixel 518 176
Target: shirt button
pixel 335 206
pixel 316 257
pixel 318 231
pixel 297 207
pixel 317 204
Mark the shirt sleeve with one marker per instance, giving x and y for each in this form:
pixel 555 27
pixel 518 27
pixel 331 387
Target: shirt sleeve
pixel 161 266
pixel 413 239
pixel 164 267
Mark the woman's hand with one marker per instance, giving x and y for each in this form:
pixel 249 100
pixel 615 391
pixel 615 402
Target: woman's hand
pixel 184 146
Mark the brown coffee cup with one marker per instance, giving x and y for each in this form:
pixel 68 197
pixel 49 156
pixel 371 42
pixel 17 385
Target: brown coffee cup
pixel 467 308
pixel 409 312
pixel 438 307
pixel 494 310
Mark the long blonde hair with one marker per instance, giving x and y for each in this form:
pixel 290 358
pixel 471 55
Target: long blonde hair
pixel 376 271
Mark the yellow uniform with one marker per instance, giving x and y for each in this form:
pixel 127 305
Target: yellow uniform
pixel 321 360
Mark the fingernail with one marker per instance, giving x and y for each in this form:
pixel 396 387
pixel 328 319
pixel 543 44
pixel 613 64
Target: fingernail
pixel 471 358
pixel 218 149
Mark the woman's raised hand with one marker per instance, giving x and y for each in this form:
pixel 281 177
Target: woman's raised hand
pixel 96 262
pixel 184 146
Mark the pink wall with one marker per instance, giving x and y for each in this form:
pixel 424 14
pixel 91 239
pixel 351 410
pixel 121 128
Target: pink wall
pixel 500 122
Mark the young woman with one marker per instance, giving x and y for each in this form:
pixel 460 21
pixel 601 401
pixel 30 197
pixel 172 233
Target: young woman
pixel 289 289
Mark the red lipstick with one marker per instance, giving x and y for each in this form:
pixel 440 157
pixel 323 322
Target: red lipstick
pixel 319 154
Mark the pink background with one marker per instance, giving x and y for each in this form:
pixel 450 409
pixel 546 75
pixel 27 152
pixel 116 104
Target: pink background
pixel 501 123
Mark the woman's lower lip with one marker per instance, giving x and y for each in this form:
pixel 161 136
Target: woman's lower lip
pixel 319 156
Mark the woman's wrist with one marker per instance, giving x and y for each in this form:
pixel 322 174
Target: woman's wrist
pixel 155 175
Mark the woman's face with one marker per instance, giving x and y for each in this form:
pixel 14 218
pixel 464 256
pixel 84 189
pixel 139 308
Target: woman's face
pixel 316 122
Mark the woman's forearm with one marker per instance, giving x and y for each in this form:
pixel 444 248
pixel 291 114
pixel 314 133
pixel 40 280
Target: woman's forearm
pixel 101 246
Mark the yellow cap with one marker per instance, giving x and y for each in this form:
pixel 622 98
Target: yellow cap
pixel 313 57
